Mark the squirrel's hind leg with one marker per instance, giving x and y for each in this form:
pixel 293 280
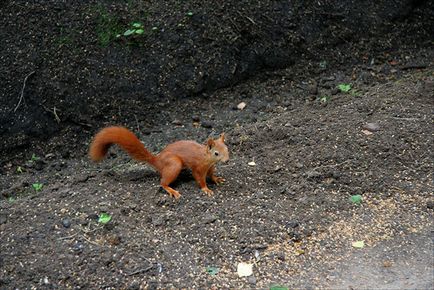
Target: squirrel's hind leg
pixel 169 173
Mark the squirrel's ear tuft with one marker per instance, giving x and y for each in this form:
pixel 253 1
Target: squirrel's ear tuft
pixel 222 136
pixel 210 143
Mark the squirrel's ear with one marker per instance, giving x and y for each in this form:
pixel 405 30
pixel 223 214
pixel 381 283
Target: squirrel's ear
pixel 222 136
pixel 210 143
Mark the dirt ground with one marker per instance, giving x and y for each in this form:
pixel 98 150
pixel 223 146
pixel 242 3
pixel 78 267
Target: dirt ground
pixel 299 150
pixel 290 214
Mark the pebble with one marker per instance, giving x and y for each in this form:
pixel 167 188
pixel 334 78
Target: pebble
pixel 177 122
pixel 114 240
pixel 207 124
pixel 135 285
pixel 210 219
pixel 372 127
pixel 66 223
pixel 313 88
pixel 78 247
pixel 158 220
pixel 251 280
pixel 241 106
pixel 93 216
pixel 195 118
pixel 430 204
pixel 292 224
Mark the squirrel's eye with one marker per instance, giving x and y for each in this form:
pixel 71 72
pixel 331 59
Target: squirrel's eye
pixel 216 153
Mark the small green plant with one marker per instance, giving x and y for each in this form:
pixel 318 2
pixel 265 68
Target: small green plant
pixel 135 29
pixel 189 14
pixel 345 88
pixel 356 199
pixel 104 218
pixel 323 64
pixel 278 287
pixel 324 99
pixel 20 169
pixel 65 38
pixel 34 158
pixel 12 199
pixel 37 186
pixel 212 270
pixel 107 27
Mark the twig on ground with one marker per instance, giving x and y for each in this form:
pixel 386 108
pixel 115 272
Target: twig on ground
pixel 22 91
pixel 143 270
pixel 68 237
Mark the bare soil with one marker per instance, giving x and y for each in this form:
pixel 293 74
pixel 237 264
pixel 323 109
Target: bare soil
pixel 299 150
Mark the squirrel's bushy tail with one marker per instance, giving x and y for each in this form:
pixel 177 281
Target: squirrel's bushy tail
pixel 122 137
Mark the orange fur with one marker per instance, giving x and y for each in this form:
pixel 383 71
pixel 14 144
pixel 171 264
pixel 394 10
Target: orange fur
pixel 201 159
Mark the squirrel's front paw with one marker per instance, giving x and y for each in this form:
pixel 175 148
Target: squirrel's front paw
pixel 208 191
pixel 218 180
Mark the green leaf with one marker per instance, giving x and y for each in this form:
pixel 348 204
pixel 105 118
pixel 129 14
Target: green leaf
pixel 356 199
pixel 154 28
pixel 37 186
pixel 12 199
pixel 279 288
pixel 34 157
pixel 129 32
pixel 19 169
pixel 104 218
pixel 345 88
pixel 139 31
pixel 137 25
pixel 212 270
pixel 190 14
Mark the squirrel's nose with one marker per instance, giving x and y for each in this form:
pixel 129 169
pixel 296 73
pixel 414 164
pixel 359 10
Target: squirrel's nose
pixel 225 158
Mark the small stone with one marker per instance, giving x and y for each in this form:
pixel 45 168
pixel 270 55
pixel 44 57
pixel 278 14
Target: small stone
pixel 313 174
pixel 158 220
pixel 210 219
pixel 430 204
pixel 177 122
pixel 135 285
pixel 296 237
pixel 66 222
pixel 207 124
pixel 78 247
pixel 195 118
pixel 93 216
pixel 292 224
pixel 313 88
pixel 241 106
pixel 298 165
pixel 252 280
pixel 49 155
pixel 372 127
pixel 114 240
pixel 387 264
pixel 280 255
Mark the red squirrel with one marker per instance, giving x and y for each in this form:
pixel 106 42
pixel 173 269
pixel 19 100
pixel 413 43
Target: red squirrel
pixel 171 160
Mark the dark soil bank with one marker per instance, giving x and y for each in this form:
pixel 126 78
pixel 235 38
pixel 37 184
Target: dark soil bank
pixel 338 96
